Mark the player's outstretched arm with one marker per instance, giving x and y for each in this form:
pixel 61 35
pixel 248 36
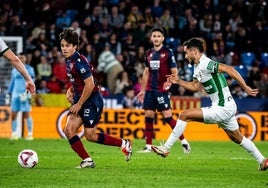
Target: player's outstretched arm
pixel 16 62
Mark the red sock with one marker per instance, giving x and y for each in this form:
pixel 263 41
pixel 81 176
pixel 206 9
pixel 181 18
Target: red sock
pixel 149 130
pixel 108 140
pixel 78 147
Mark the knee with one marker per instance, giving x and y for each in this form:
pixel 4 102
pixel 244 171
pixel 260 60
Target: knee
pixel 236 138
pixel 89 137
pixel 69 132
pixel 183 116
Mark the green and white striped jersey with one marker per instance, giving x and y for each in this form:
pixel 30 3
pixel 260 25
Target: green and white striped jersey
pixel 214 83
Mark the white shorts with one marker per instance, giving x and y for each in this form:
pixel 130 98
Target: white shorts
pixel 223 116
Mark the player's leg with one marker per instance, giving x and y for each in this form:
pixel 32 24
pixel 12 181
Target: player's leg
pixel 15 107
pixel 14 135
pixel 237 137
pixel 149 106
pixel 91 119
pixel 26 108
pixel 72 125
pixel 172 123
pixel 192 114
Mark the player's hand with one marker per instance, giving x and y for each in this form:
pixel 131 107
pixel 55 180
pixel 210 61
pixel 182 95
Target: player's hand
pixel 69 96
pixel 75 108
pixel 167 85
pixel 173 78
pixel 140 96
pixel 251 92
pixel 30 86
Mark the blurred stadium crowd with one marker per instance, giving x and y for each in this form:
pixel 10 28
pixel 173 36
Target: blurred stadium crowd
pixel 236 32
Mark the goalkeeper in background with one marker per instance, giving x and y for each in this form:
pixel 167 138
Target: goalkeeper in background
pixel 21 99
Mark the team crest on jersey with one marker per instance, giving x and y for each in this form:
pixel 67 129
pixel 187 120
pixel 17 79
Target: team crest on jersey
pixel 163 55
pixel 82 70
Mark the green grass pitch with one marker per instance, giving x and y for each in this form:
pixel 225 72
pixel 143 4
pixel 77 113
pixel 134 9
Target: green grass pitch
pixel 210 164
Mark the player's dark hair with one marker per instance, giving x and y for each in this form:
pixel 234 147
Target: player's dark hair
pixel 70 36
pixel 159 29
pixel 198 43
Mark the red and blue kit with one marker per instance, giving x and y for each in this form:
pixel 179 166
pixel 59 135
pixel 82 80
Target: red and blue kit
pixel 160 64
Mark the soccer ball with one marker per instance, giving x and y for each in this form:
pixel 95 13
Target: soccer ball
pixel 27 158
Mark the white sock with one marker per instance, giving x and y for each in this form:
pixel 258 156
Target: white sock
pixel 176 133
pixel 252 149
pixel 149 146
pixel 123 143
pixel 88 159
pixel 184 141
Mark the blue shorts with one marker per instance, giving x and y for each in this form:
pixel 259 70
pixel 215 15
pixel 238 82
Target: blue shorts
pixel 18 105
pixel 91 110
pixel 156 101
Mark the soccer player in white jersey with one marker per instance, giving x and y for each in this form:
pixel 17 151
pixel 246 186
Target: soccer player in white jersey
pixel 15 61
pixel 209 75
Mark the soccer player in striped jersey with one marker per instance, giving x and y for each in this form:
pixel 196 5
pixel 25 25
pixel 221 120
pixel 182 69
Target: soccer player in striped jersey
pixel 87 102
pixel 159 62
pixel 209 75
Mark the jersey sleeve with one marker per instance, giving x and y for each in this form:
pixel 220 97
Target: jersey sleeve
pixel 83 69
pixel 3 47
pixel 172 60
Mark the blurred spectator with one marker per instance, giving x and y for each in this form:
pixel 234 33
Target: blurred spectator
pixel 59 69
pixel 134 17
pixel 63 20
pixel 83 40
pixel 97 45
pixel 140 33
pixel 116 19
pixel 105 29
pixel 167 22
pixel 40 28
pixel 41 87
pixel 254 76
pixel 122 81
pixel 115 44
pixel 87 25
pixel 52 35
pixel 44 69
pixel 137 85
pixel 148 18
pixel 263 85
pixel 54 86
pixel 42 44
pixel 108 64
pixel 16 27
pixel 156 9
pixel 129 100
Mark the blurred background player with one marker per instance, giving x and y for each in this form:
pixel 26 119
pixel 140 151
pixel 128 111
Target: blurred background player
pixel 159 62
pixel 21 99
pixel 87 103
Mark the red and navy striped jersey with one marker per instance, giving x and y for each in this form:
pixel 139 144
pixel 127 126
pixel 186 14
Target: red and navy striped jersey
pixel 78 69
pixel 160 64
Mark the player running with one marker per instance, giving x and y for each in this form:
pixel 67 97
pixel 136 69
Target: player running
pixel 208 74
pixel 87 102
